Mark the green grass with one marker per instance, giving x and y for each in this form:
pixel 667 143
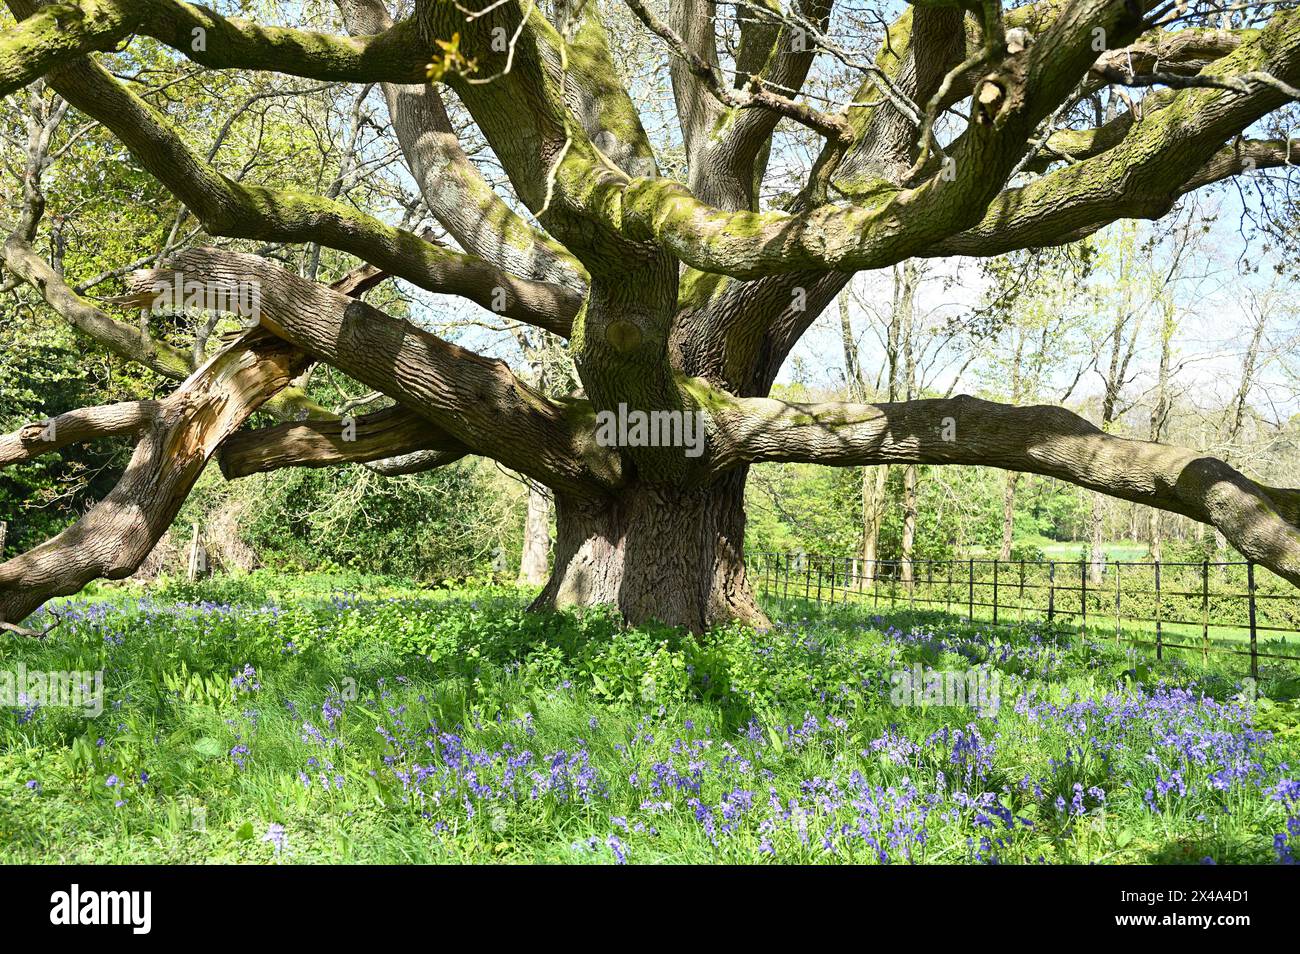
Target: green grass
pixel 1114 550
pixel 452 726
pixel 1070 549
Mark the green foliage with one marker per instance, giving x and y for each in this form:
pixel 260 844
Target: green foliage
pixel 449 522
pixel 803 507
pixel 44 372
pixel 1028 552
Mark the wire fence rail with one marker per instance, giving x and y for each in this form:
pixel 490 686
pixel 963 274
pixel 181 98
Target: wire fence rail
pixel 1207 607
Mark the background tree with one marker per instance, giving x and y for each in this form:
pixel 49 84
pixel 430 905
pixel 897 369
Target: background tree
pixel 922 349
pixel 1027 328
pixel 1121 304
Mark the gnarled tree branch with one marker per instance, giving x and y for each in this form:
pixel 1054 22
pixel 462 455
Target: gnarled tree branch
pixel 477 400
pixel 1044 440
pixel 115 536
pixel 1162 156
pixel 393 432
pixel 125 418
pixel 54 35
pixel 228 208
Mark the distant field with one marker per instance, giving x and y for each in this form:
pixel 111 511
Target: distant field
pixel 1055 550
pixel 1114 551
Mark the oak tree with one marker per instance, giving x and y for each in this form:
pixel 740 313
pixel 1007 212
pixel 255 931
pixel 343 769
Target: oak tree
pixel 680 284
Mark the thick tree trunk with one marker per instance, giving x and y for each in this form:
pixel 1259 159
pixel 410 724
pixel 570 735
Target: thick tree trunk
pixel 534 560
pixel 656 553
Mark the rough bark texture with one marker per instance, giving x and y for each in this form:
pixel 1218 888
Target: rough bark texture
pixel 385 434
pixel 670 555
pixel 476 400
pixel 83 424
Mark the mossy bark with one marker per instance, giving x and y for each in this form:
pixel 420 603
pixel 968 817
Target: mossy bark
pixel 655 553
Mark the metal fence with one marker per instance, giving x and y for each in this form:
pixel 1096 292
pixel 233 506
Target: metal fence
pixel 1206 607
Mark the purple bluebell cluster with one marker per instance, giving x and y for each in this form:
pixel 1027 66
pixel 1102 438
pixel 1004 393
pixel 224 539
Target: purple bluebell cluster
pixel 781 744
pixel 245 680
pixel 890 793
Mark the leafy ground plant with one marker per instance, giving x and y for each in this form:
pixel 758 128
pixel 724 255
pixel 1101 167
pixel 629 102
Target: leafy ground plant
pixel 317 725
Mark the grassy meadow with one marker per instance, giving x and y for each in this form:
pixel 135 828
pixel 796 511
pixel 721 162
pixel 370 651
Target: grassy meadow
pixel 265 719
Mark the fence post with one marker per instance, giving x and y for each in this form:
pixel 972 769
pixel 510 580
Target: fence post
pixel 1051 590
pixel 1083 597
pixel 947 593
pixel 970 591
pixel 1254 648
pixel 996 564
pixel 1160 636
pixel 1020 597
pixel 1205 612
pixel 807 575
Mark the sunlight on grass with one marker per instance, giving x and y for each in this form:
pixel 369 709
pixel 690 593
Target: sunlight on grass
pixel 312 724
